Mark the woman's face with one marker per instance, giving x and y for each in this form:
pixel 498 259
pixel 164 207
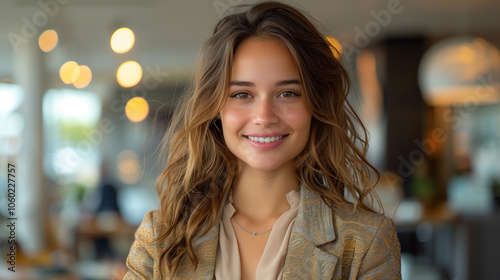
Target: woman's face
pixel 265 121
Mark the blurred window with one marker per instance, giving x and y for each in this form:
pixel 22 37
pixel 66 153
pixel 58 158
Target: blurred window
pixel 72 138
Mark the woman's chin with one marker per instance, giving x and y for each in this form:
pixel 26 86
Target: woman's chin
pixel 266 165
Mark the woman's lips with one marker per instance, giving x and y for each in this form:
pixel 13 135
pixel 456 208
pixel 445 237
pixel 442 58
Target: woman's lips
pixel 265 139
pixel 265 143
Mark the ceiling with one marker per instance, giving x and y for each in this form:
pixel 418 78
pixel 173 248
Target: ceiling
pixel 169 33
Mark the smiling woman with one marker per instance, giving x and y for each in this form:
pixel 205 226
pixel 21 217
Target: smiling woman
pixel 264 104
pixel 262 155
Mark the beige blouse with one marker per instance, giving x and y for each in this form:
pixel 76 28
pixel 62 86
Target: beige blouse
pixel 270 267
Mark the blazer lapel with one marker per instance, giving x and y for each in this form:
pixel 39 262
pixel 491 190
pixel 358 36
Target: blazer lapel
pixel 307 255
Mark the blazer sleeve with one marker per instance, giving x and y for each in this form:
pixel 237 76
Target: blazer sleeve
pixel 141 260
pixel 383 258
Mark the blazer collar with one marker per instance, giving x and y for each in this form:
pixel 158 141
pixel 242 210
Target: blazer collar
pixel 308 254
pixel 314 220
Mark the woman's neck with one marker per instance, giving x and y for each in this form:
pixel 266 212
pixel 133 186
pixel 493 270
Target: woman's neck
pixel 260 195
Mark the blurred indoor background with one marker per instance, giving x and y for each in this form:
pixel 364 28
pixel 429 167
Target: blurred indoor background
pixel 87 88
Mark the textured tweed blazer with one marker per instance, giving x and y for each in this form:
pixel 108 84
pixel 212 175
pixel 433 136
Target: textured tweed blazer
pixel 324 244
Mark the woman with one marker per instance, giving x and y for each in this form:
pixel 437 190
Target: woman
pixel 262 156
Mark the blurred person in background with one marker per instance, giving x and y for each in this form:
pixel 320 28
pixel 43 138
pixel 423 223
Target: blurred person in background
pixel 107 212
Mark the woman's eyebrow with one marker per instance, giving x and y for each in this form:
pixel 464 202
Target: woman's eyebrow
pixel 241 83
pixel 250 84
pixel 288 82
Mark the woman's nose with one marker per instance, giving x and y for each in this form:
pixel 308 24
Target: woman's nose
pixel 266 113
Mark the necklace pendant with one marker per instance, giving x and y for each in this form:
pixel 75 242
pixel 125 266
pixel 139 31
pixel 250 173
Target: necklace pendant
pixel 249 232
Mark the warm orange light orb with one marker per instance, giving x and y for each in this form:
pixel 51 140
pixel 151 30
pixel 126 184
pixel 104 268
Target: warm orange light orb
pixel 48 40
pixel 66 72
pixel 82 76
pixel 137 109
pixel 122 40
pixel 129 74
pixel 129 167
pixel 335 44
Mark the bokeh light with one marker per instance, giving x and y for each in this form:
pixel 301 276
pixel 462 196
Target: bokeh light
pixel 335 44
pixel 66 72
pixel 82 75
pixel 137 109
pixel 129 74
pixel 459 69
pixel 129 168
pixel 48 40
pixel 122 40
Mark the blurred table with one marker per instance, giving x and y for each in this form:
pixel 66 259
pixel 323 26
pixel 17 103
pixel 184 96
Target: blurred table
pixel 119 236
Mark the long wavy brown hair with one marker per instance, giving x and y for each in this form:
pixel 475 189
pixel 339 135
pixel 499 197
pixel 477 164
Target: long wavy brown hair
pixel 200 169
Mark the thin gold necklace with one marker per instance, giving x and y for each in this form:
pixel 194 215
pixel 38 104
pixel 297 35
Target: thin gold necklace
pixel 252 233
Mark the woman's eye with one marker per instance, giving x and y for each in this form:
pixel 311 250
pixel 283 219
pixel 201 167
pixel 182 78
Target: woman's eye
pixel 288 94
pixel 240 95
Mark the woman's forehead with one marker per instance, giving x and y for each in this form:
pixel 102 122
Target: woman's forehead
pixel 264 59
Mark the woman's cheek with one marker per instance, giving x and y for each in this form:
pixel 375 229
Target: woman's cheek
pixel 233 116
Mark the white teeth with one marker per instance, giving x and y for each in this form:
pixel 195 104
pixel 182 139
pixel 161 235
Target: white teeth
pixel 265 139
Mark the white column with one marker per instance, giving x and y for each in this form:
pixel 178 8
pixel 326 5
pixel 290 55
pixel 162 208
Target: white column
pixel 31 209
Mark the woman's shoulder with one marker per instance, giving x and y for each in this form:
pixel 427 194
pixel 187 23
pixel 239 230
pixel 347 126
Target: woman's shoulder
pixel 354 220
pixel 149 226
pixel 373 241
pixel 349 212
